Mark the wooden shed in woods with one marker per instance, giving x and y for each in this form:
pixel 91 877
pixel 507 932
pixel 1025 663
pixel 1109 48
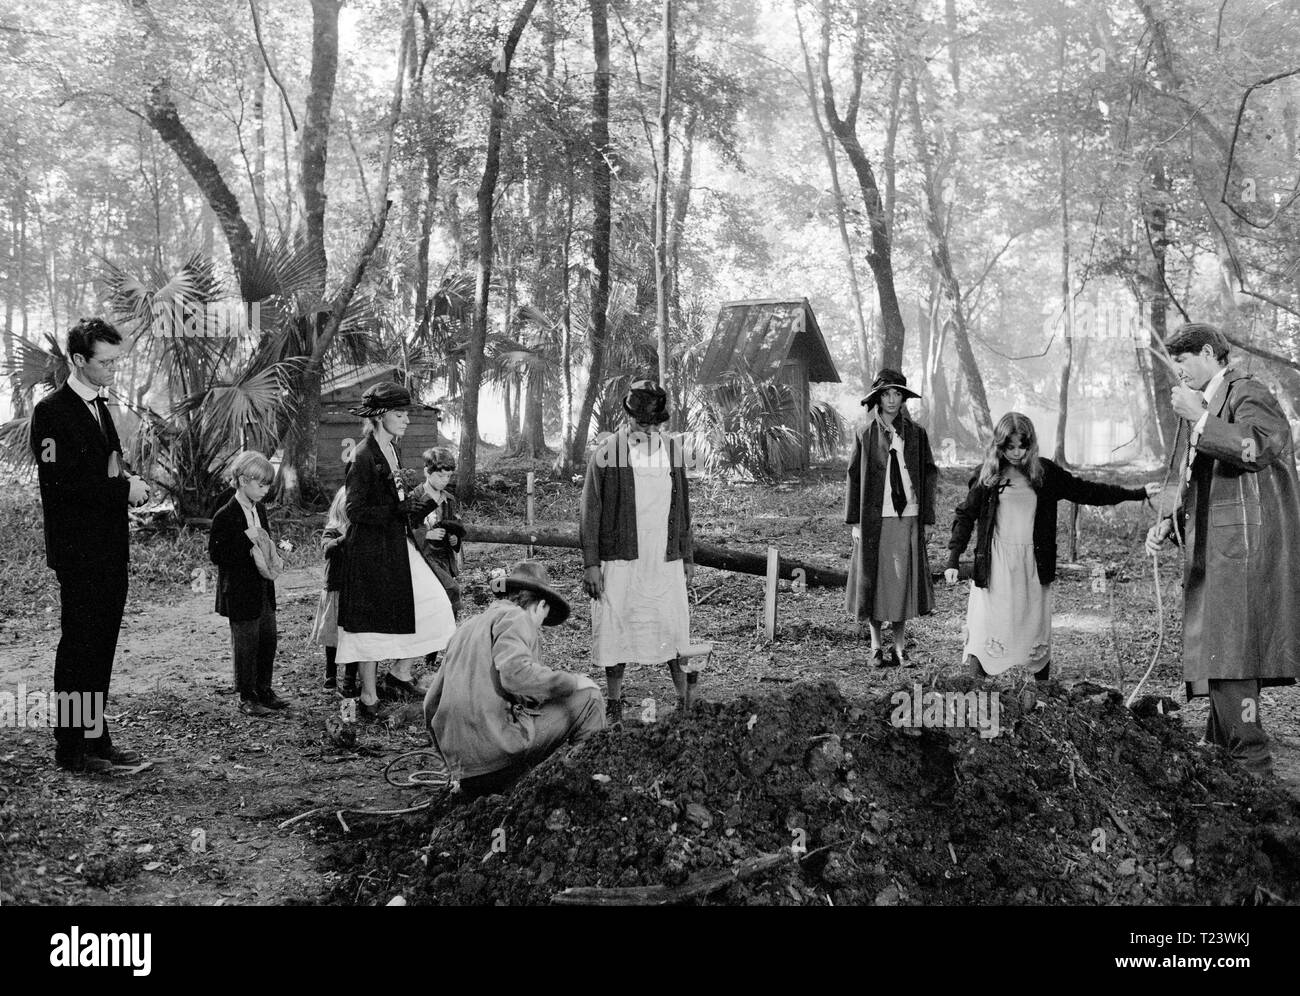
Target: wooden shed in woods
pixel 343 391
pixel 773 338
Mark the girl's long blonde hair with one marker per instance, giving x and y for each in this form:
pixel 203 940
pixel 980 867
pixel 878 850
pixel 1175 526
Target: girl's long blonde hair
pixel 995 463
pixel 337 518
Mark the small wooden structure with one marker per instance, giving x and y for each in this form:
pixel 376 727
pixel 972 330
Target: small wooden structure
pixel 773 338
pixel 343 391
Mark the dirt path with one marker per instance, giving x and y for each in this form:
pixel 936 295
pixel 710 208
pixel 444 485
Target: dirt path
pixel 200 826
pixel 233 779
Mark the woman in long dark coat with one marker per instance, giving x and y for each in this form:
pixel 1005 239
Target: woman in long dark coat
pixel 892 481
pixel 391 606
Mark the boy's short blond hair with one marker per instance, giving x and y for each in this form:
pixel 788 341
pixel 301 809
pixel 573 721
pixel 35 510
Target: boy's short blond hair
pixel 250 463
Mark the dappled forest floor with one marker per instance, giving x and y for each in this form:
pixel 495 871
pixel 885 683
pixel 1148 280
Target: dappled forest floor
pixel 888 815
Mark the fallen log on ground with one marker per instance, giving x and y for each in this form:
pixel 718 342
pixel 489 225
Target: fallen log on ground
pixel 706 554
pixel 722 558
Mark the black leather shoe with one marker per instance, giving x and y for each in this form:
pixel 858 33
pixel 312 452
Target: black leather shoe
pixel 252 707
pixel 348 688
pixel 119 757
pixel 269 699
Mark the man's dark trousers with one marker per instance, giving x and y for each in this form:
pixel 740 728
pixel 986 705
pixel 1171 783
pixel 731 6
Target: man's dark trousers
pixel 1231 701
pixel 92 598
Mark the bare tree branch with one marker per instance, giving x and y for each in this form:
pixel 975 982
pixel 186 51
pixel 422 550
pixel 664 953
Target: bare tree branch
pixel 257 30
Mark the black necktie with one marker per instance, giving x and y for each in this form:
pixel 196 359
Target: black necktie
pixel 102 410
pixel 896 493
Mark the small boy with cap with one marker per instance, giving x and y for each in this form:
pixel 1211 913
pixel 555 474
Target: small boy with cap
pixel 494 710
pixel 443 529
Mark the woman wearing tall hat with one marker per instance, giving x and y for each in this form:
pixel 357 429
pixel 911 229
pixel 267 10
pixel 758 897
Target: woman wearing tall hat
pixel 391 606
pixel 637 549
pixel 892 482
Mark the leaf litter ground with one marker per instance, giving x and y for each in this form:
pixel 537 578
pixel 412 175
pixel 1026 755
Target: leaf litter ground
pixel 887 815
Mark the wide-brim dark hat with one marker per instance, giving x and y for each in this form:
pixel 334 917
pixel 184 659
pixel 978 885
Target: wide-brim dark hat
pixel 384 397
pixel 531 575
pixel 884 381
pixel 646 402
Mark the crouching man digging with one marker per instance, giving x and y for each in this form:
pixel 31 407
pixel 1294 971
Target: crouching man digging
pixel 494 710
pixel 1238 507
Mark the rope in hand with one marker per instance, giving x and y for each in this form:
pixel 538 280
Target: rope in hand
pixel 1155 574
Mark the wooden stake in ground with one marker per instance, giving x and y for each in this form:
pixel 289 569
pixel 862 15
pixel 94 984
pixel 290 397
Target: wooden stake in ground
pixel 769 596
pixel 531 479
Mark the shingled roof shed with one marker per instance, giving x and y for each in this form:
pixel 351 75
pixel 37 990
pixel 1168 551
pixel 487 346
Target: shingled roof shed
pixel 774 339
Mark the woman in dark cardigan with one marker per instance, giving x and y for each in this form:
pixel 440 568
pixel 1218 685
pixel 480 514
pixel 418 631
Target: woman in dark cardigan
pixel 1012 505
pixel 391 606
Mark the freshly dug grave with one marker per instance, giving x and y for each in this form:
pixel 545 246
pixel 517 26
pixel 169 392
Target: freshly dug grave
pixel 1077 801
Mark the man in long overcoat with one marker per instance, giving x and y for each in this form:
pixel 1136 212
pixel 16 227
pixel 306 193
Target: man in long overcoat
pixel 1238 511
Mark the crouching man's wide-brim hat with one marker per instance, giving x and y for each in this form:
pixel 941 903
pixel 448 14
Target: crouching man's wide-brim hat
pixel 531 575
pixel 885 380
pixel 385 397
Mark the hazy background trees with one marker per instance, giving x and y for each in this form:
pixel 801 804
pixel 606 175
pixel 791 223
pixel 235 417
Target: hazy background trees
pixel 1007 198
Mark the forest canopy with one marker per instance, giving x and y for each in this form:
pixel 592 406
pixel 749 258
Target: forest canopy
pixel 523 206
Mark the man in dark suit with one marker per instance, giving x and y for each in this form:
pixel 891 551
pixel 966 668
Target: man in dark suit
pixel 84 495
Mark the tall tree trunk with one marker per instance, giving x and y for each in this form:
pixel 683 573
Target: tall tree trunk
pixel 510 411
pixel 545 289
pixel 662 160
pixel 681 206
pixel 258 72
pixel 565 460
pixel 299 482
pixel 316 124
pixel 1067 310
pixel 20 252
pixel 474 359
pixel 600 226
pixel 942 259
pixel 880 257
pixel 429 204
pixel 862 344
pixel 1157 221
pixel 12 262
pixel 290 199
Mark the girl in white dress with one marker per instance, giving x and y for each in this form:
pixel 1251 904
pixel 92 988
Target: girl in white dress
pixel 1012 501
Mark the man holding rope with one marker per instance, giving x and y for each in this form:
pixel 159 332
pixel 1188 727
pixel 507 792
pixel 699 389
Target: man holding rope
pixel 1238 507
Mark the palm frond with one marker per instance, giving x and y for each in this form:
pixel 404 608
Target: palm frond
pixel 827 428
pixel 15 444
pixel 36 366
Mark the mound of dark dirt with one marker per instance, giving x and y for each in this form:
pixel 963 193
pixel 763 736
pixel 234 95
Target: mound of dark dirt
pixel 1077 801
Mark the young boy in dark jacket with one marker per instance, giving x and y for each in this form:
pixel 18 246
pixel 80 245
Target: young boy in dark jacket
pixel 240 545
